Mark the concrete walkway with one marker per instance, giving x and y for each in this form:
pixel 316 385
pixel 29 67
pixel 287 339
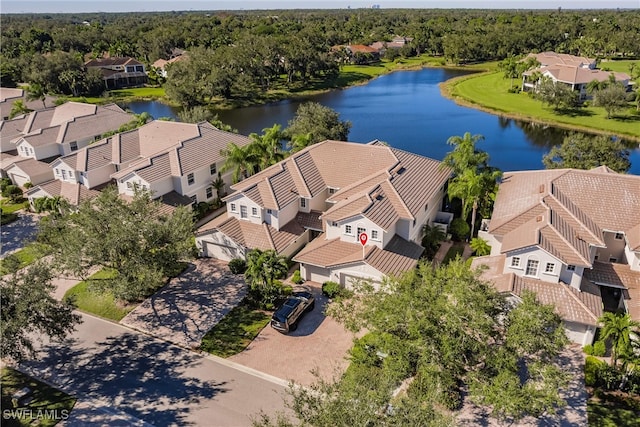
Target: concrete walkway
pixel 189 305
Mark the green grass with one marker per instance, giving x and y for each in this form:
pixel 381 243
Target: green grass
pixel 613 410
pixel 24 257
pixel 9 207
pixel 142 92
pixel 454 251
pixel 490 91
pixel 621 66
pixel 45 398
pixel 235 331
pixel 93 301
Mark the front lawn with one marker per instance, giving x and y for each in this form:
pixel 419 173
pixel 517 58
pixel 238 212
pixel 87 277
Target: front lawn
pixel 454 251
pixel 235 331
pixel 91 300
pixel 490 91
pixel 23 257
pixel 612 409
pixel 47 406
pixel 10 207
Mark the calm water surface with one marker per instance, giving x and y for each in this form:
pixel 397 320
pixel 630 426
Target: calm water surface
pixel 406 110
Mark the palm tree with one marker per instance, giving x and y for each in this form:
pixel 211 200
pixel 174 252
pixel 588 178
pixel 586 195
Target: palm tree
pixel 300 142
pixel 17 108
pixel 37 91
pixel 431 238
pixel 218 184
pixel 264 267
pixel 241 159
pixel 617 328
pixel 464 154
pixel 268 146
pixel 480 246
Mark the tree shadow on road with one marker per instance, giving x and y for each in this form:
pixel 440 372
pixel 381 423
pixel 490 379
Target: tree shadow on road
pixel 145 378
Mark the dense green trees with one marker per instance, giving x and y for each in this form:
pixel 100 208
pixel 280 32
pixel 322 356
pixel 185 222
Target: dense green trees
pixel 318 123
pixel 612 98
pixel 434 335
pixel 134 240
pixel 618 328
pixel 581 151
pixel 264 268
pixel 28 310
pixel 557 95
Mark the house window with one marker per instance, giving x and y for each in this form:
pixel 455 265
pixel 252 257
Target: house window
pixel 332 190
pixel 571 268
pixel 233 207
pixel 129 185
pixel 190 179
pixel 515 261
pixel 212 169
pixel 194 199
pixel 269 211
pixel 209 191
pixel 73 146
pixel 374 235
pixel 303 203
pixel 64 174
pixel 254 211
pixel 532 267
pixel 426 207
pixel 243 211
pixel 550 267
pixel 57 171
pixel 348 230
pixel 144 187
pixel 613 259
pixel 619 236
pixel 361 230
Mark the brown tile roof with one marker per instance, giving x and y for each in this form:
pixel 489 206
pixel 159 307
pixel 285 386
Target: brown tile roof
pixel 73 193
pixel 553 58
pixel 10 95
pixel 362 48
pixel 577 75
pixel 556 210
pixel 582 306
pixel 12 129
pixel 32 166
pixel 619 275
pixel 310 220
pixel 398 256
pixel 109 62
pixel 633 238
pixel 253 236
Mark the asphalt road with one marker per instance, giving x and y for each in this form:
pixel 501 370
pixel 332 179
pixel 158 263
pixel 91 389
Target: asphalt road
pixel 152 380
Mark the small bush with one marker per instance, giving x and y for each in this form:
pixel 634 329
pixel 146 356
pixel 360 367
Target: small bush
pixel 28 185
pixel 265 296
pixel 237 266
pixel 296 277
pixel 4 183
pixel 331 289
pixel 588 349
pixel 592 368
pixel 599 348
pixel 12 192
pixel 459 229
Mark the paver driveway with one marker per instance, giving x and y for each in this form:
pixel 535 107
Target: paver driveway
pixel 318 343
pixel 189 305
pixel 18 233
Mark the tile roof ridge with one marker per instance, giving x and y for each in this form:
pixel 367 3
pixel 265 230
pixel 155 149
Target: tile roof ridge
pixel 269 236
pixel 515 217
pixel 62 132
pixel 564 239
pixel 361 181
pixel 402 202
pixel 597 238
pixel 571 291
pixel 556 193
pixel 300 175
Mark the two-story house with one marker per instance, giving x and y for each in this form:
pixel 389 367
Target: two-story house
pixel 572 237
pixel 172 160
pixel 333 192
pixel 120 72
pixel 56 132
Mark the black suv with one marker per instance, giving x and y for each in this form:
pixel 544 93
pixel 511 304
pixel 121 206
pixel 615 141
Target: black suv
pixel 285 318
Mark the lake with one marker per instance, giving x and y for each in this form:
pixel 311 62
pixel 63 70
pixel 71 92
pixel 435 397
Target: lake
pixel 406 109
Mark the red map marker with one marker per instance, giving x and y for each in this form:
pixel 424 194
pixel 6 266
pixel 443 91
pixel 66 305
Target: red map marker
pixel 363 238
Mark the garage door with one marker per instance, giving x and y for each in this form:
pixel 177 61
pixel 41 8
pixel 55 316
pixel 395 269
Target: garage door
pixel 225 253
pixel 19 179
pixel 315 274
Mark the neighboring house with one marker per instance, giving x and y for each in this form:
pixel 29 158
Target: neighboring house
pixel 175 161
pixel 571 236
pixel 10 95
pixel 60 130
pixel 333 192
pixel 73 193
pixel 574 71
pixel 397 43
pixel 359 53
pixel 120 72
pixel 29 170
pixel 176 55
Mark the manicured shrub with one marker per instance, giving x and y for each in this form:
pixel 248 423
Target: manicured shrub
pixel 296 277
pixel 13 192
pixel 4 183
pixel 592 368
pixel 331 289
pixel 237 266
pixel 588 349
pixel 459 229
pixel 599 348
pixel 28 185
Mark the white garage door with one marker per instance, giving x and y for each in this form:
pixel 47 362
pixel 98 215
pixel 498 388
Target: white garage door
pixel 316 274
pixel 19 179
pixel 576 333
pixel 225 253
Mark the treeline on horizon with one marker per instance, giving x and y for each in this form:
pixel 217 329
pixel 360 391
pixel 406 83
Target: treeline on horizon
pixel 244 52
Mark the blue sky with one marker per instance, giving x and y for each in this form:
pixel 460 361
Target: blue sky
pixel 79 6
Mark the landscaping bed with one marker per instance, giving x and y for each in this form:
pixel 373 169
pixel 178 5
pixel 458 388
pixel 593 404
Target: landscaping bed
pixel 23 257
pixel 612 409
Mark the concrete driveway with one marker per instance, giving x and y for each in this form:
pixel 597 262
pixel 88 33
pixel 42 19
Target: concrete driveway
pixel 18 233
pixel 189 305
pixel 319 343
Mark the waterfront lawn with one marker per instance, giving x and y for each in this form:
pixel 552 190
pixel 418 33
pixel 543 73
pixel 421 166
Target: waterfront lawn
pixel 621 66
pixel 235 331
pixel 93 301
pixel 55 402
pixel 490 90
pixel 139 92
